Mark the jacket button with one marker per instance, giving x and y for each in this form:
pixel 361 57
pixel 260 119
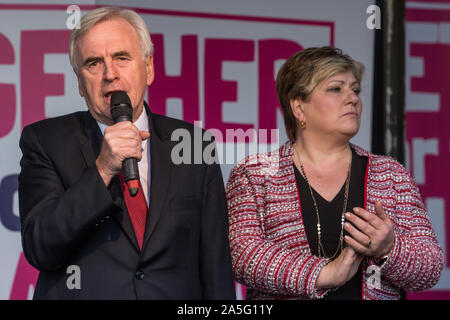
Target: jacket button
pixel 140 275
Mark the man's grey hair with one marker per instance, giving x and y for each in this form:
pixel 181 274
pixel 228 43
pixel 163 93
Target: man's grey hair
pixel 89 20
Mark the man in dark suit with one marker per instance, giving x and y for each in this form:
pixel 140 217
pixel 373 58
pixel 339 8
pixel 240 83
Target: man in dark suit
pixel 78 227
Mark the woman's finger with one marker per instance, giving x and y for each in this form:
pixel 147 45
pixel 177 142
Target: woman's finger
pixel 362 238
pixel 360 223
pixel 372 219
pixel 355 245
pixel 380 211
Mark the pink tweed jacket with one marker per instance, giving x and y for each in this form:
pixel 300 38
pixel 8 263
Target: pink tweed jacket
pixel 269 247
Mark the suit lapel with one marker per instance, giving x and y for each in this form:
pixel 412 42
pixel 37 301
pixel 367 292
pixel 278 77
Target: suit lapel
pixel 160 174
pixel 90 139
pixel 90 146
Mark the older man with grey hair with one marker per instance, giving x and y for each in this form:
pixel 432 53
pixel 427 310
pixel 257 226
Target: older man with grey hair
pixel 80 227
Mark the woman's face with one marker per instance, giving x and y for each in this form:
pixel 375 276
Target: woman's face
pixel 334 107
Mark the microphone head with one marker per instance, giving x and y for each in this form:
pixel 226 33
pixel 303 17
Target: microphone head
pixel 121 109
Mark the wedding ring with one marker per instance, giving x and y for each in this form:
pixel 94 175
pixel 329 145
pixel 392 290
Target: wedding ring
pixel 370 243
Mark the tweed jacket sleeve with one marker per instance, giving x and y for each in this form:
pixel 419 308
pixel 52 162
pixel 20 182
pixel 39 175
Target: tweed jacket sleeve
pixel 259 260
pixel 416 259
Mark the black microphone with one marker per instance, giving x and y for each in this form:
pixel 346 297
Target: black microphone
pixel 121 110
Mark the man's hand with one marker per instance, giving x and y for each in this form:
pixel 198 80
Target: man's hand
pixel 339 271
pixel 370 235
pixel 121 141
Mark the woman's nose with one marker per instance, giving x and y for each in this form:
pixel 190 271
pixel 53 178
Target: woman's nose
pixel 352 96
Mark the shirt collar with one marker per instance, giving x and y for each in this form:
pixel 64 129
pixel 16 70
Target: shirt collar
pixel 141 123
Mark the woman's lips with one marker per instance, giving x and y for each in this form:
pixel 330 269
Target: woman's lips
pixel 351 114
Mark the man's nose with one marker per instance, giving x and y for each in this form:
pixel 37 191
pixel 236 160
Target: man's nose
pixel 110 72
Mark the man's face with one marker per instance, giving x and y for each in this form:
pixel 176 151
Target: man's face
pixel 110 59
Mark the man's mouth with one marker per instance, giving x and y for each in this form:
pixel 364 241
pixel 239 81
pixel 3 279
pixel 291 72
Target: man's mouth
pixel 108 94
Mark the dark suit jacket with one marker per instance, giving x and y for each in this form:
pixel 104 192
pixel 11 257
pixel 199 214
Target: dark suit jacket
pixel 69 217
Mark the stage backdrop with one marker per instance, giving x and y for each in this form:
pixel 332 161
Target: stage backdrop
pixel 427 83
pixel 215 62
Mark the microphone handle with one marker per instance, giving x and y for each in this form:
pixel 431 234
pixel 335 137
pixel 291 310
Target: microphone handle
pixel 130 169
pixel 131 175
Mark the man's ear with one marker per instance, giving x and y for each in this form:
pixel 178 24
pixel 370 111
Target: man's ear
pixel 150 69
pixel 80 90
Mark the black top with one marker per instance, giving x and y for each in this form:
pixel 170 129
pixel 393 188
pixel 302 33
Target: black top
pixel 330 220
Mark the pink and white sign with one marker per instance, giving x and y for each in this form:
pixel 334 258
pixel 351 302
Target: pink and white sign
pixel 215 61
pixel 427 117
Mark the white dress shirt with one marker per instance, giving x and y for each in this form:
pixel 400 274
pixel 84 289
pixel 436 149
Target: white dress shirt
pixel 144 173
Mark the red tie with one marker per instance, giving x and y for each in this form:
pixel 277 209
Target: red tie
pixel 137 208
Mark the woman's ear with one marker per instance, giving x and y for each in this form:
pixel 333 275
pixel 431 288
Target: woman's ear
pixel 297 109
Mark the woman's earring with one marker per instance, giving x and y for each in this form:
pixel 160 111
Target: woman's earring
pixel 302 123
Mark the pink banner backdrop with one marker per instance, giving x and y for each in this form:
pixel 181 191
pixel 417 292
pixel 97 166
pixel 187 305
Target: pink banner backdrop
pixel 36 44
pixel 427 116
pixel 217 66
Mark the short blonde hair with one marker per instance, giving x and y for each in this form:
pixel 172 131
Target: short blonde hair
pixel 303 71
pixel 98 15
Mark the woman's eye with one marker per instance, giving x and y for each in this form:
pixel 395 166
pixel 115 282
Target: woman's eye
pixel 335 89
pixel 357 91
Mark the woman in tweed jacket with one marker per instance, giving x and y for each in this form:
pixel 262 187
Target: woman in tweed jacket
pixel 320 217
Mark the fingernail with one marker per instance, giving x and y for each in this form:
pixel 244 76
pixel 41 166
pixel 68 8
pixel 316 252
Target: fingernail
pixel 356 209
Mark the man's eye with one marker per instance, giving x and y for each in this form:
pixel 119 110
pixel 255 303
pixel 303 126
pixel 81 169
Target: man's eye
pixel 93 64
